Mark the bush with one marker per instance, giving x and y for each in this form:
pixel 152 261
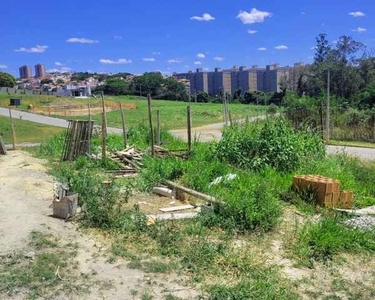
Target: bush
pixel 276 145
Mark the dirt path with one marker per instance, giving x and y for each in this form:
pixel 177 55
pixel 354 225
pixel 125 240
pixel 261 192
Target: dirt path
pixel 25 199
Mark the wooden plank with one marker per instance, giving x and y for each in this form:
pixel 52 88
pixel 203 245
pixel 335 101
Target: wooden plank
pixel 176 208
pixel 189 128
pixel 164 217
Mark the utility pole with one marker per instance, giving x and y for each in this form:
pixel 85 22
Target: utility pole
pixel 328 106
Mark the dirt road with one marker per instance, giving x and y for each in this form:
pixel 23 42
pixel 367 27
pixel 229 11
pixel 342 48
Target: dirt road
pixel 25 198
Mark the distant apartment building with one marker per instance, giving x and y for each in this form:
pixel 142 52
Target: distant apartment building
pixel 40 71
pixel 272 78
pixel 243 79
pixel 25 72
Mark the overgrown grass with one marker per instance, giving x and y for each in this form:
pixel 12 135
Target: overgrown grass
pixel 322 240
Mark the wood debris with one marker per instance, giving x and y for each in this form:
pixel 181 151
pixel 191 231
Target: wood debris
pixel 176 208
pixel 163 152
pixel 129 160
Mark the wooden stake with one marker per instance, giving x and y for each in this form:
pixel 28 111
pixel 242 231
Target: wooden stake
pixel 230 118
pixel 89 139
pixel 123 126
pixel 104 129
pixel 12 129
pixel 151 128
pixel 189 128
pixel 158 130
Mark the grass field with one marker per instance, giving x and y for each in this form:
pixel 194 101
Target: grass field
pixel 173 113
pixel 27 131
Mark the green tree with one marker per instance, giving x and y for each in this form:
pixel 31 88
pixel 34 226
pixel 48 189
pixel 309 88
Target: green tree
pixel 148 83
pixel 116 86
pixel 7 80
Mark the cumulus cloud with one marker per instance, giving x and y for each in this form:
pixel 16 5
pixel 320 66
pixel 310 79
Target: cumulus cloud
pixel 82 41
pixel 156 53
pixel 174 61
pixel 61 70
pixel 360 30
pixel 36 49
pixel 59 64
pixel 281 47
pixel 219 58
pixel 254 16
pixel 303 13
pixel 206 17
pixel 252 31
pixel 197 63
pixel 120 61
pixel 149 59
pixel 3 66
pixel 117 37
pixel 357 14
pixel 201 55
pixel 262 49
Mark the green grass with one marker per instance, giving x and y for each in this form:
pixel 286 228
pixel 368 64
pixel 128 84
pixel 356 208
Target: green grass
pixel 322 240
pixel 27 131
pixel 352 144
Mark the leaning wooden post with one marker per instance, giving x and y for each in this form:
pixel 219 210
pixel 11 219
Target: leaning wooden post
pixel 230 118
pixel 104 129
pixel 189 128
pixel 89 139
pixel 123 126
pixel 12 129
pixel 158 130
pixel 151 128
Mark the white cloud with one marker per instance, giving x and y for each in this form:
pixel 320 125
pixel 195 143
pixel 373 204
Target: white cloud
pixel 156 53
pixel 252 31
pixel 149 59
pixel 360 30
pixel 357 14
pixel 120 61
pixel 254 16
pixel 281 47
pixel 206 17
pixel 262 49
pixel 334 42
pixel 59 64
pixel 3 66
pixel 303 13
pixel 174 61
pixel 201 55
pixel 66 69
pixel 36 49
pixel 219 58
pixel 117 37
pixel 197 63
pixel 61 70
pixel 82 41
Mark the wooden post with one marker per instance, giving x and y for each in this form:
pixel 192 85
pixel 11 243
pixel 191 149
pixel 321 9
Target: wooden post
pixel 151 128
pixel 104 129
pixel 12 129
pixel 158 129
pixel 230 118
pixel 89 139
pixel 189 128
pixel 223 102
pixel 123 126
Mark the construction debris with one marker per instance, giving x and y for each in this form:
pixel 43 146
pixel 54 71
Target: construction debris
pixel 164 191
pixel 176 208
pixel 325 190
pixel 162 152
pixel 226 178
pixel 129 159
pixel 64 203
pixel 361 223
pixel 77 141
pixel 171 216
pixel 368 211
pixel 3 151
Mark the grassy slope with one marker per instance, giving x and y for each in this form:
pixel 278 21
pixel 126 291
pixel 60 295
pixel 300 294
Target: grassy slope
pixel 27 131
pixel 173 113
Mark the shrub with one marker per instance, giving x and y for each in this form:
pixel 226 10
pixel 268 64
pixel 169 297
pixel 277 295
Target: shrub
pixel 275 145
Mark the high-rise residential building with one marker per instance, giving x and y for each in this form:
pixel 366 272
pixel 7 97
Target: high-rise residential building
pixel 25 72
pixel 40 71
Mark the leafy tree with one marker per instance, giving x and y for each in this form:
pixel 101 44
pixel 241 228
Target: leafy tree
pixel 116 86
pixel 173 90
pixel 148 83
pixel 7 80
pixel 203 97
pixel 46 81
pixel 322 48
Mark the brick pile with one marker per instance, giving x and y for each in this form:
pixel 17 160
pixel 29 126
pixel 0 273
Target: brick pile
pixel 325 190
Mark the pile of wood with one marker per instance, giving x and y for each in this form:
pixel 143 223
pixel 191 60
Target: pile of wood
pixel 129 160
pixel 3 151
pixel 325 190
pixel 162 152
pixel 77 141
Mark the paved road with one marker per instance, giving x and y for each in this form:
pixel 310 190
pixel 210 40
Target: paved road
pixel 212 132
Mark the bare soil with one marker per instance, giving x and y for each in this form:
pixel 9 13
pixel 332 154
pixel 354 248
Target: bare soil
pixel 26 192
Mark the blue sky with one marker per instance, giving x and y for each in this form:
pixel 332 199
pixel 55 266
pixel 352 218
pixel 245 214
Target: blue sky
pixel 170 35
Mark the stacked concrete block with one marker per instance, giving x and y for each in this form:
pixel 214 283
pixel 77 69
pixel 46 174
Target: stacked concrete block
pixel 325 190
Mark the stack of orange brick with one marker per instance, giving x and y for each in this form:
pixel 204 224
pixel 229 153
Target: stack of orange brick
pixel 325 190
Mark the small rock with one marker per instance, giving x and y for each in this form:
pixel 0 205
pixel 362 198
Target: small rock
pixel 30 255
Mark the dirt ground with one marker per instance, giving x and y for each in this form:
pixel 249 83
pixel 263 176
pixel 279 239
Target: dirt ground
pixel 25 198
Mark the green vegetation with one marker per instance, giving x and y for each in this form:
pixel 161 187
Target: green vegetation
pixel 322 240
pixel 7 80
pixel 27 131
pixel 51 272
pixel 358 144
